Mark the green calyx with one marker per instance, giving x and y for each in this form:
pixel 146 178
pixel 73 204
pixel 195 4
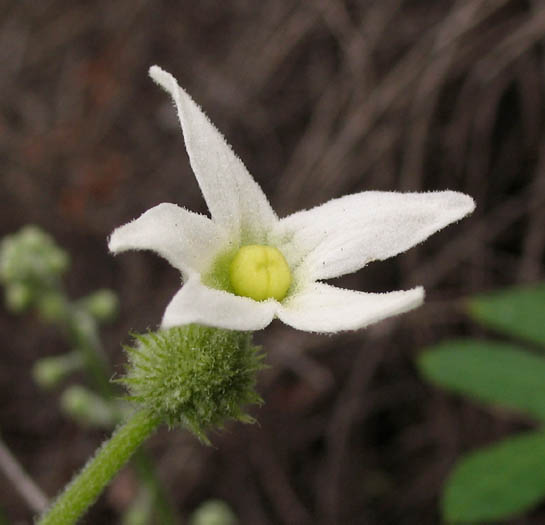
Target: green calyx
pixel 195 376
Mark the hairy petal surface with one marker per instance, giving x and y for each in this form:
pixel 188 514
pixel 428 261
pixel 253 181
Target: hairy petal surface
pixel 324 308
pixel 234 199
pixel 343 235
pixel 196 303
pixel 187 240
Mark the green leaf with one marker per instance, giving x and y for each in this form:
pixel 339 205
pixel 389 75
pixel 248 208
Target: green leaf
pixel 492 372
pixel 518 312
pixel 497 482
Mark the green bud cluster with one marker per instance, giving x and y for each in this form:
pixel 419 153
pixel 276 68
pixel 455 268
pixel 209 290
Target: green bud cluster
pixel 195 376
pixel 31 265
pixel 31 270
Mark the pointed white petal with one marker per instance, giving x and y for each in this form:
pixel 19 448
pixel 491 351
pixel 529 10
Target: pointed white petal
pixel 187 240
pixel 196 303
pixel 343 235
pixel 234 199
pixel 324 308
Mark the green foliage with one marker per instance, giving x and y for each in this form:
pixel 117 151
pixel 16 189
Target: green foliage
pixel 518 312
pixel 497 373
pixel 195 376
pixel 505 479
pixel 497 481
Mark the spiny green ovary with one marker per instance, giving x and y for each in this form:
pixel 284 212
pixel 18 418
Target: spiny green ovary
pixel 195 376
pixel 260 272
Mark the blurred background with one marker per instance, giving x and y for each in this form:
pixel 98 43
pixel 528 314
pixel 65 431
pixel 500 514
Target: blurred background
pixel 319 98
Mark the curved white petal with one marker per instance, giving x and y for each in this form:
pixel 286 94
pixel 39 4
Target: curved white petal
pixel 196 303
pixel 187 240
pixel 343 235
pixel 324 308
pixel 234 199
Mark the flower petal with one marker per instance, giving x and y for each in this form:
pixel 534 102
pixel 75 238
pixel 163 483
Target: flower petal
pixel 187 240
pixel 324 308
pixel 234 199
pixel 343 235
pixel 196 303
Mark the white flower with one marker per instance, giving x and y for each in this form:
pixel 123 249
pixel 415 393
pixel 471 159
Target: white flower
pixel 333 239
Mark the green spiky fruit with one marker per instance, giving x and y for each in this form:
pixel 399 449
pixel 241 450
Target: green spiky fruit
pixel 195 376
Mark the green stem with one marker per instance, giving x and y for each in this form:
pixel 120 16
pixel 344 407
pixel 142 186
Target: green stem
pixel 84 489
pixel 83 333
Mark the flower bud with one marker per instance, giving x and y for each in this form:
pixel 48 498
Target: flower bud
pixel 102 305
pixel 140 511
pixel 87 408
pixel 213 512
pixel 19 297
pixel 48 372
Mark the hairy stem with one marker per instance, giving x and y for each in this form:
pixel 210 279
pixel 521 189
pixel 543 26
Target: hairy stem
pixel 84 489
pixel 83 334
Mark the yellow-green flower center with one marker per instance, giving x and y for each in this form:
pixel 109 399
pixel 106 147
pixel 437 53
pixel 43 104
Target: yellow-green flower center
pixel 260 272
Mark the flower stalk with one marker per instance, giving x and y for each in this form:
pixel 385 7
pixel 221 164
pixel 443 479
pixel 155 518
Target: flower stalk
pixel 100 469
